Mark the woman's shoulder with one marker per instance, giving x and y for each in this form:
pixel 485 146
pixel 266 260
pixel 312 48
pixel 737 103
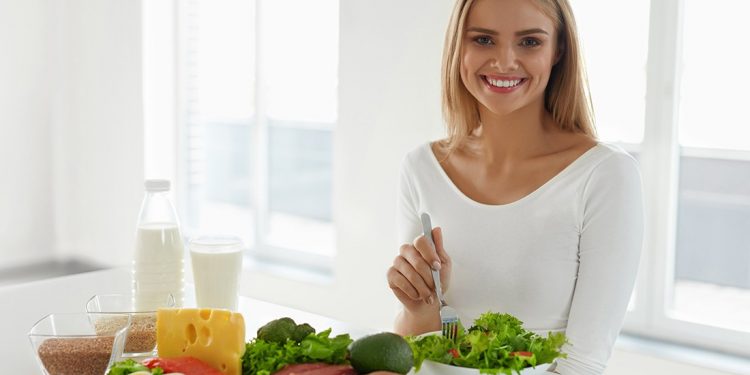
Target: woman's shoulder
pixel 612 154
pixel 421 155
pixel 610 164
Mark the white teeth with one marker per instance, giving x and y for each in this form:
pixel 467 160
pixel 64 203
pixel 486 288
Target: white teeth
pixel 503 83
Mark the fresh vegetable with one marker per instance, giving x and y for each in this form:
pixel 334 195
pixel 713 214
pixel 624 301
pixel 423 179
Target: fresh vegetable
pixel 301 331
pixel 130 366
pixel 278 330
pixel 184 365
pixel 264 357
pixel 497 343
pixel 381 352
pixel 454 352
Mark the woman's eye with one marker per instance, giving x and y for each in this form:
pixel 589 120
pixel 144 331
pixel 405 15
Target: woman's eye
pixel 530 42
pixel 483 40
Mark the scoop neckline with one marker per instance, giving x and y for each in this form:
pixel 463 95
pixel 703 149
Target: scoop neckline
pixel 568 168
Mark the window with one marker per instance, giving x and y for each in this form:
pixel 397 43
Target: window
pixel 258 108
pixel 668 85
pixel 712 250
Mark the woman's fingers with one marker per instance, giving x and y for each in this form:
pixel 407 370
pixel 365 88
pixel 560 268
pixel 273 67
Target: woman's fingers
pixel 445 259
pixel 401 286
pixel 417 288
pixel 420 265
pixel 427 252
pixel 410 277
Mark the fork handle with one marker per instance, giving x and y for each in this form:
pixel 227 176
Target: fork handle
pixel 438 288
pixel 427 231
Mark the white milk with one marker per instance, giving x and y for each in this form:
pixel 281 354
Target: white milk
pixel 217 265
pixel 158 266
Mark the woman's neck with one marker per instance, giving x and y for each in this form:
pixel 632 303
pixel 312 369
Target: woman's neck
pixel 515 136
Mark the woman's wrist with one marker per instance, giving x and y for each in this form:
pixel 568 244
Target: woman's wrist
pixel 418 319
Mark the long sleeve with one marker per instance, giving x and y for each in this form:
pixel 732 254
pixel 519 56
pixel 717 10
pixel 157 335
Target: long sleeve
pixel 610 244
pixel 408 226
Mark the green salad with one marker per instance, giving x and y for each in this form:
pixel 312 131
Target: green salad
pixel 495 344
pixel 264 357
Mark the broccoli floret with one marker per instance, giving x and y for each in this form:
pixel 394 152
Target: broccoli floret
pixel 301 331
pixel 278 330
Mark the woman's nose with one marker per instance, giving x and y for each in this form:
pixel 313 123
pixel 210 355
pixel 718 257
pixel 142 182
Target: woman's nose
pixel 505 59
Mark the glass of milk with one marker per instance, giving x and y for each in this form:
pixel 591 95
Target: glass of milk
pixel 217 264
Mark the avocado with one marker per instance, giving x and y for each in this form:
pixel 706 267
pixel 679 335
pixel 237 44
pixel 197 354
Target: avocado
pixel 381 352
pixel 278 330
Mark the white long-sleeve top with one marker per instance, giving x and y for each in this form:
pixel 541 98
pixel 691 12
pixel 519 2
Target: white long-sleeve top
pixel 563 258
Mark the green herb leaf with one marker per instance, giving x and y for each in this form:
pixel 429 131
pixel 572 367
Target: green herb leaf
pixel 126 367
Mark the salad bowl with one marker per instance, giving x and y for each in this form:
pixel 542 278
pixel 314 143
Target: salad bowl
pixel 434 368
pixel 503 327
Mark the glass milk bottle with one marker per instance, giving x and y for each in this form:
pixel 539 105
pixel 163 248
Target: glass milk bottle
pixel 158 265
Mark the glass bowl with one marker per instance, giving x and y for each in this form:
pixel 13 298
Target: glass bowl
pixel 141 337
pixel 70 344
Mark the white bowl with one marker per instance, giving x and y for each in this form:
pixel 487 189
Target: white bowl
pixel 434 368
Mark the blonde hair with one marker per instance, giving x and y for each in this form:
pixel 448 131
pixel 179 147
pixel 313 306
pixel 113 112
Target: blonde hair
pixel 566 96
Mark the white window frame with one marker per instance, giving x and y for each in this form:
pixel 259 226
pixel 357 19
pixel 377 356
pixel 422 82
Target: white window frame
pixel 263 254
pixel 659 159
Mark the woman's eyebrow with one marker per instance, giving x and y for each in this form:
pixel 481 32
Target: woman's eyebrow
pixel 482 30
pixel 518 33
pixel 531 31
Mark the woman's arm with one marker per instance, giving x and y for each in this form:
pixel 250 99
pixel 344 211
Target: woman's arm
pixel 609 252
pixel 409 278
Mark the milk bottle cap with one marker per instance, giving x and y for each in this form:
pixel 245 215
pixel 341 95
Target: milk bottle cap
pixel 157 185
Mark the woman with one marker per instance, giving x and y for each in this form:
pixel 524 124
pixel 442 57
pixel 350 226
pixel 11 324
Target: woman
pixel 533 216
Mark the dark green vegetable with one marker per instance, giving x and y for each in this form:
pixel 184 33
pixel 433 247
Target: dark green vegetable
pixel 384 351
pixel 278 330
pixel 301 331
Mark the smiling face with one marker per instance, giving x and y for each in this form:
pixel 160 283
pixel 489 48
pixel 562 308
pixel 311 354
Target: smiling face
pixel 508 51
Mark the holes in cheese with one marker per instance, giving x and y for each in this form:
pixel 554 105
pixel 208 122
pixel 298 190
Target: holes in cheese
pixel 216 337
pixel 205 338
pixel 206 314
pixel 191 334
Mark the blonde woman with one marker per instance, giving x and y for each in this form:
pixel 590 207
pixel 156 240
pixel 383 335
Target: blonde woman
pixel 534 216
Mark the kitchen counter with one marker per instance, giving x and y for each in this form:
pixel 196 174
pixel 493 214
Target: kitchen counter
pixel 23 305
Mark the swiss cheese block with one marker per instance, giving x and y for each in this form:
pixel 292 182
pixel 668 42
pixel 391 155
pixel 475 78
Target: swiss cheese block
pixel 216 337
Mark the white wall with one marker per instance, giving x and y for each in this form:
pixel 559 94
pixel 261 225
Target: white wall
pixel 388 103
pixel 71 150
pixel 98 129
pixel 26 228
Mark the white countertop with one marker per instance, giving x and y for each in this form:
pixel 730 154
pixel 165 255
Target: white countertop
pixel 23 305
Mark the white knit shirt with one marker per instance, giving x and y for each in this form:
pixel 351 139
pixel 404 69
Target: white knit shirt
pixel 563 258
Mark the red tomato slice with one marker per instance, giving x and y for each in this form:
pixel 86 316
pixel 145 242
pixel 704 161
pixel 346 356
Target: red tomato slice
pixel 521 354
pixel 185 365
pixel 454 352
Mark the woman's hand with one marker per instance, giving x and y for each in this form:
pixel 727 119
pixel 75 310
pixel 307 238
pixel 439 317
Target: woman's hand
pixel 410 276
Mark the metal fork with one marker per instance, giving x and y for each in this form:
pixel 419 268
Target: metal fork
pixel 450 324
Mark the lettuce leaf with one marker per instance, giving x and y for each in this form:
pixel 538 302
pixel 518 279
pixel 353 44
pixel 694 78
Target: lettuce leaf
pixel 130 366
pixel 264 357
